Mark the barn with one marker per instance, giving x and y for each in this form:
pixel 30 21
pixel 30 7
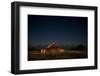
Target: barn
pixel 52 49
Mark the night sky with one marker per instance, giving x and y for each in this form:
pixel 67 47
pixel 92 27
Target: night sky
pixel 64 30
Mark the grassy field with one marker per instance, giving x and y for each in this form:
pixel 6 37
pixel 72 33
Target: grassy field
pixel 68 54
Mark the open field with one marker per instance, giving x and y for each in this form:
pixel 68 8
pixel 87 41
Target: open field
pixel 68 54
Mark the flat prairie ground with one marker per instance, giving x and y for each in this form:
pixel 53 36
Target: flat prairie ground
pixel 68 54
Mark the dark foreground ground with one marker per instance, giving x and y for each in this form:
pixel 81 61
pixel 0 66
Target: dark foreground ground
pixel 66 55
